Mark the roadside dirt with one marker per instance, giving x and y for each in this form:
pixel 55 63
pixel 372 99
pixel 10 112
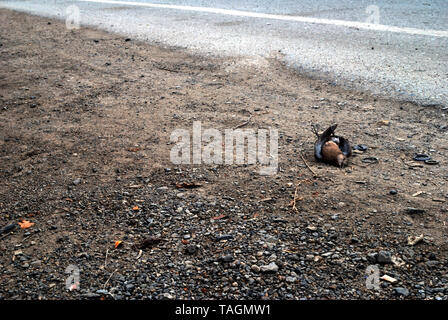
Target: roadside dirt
pixel 86 118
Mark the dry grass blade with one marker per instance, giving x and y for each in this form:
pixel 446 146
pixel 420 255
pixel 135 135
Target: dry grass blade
pixel 296 192
pixel 104 286
pixel 304 161
pixel 243 124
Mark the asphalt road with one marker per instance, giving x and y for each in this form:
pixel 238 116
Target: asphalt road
pixel 392 48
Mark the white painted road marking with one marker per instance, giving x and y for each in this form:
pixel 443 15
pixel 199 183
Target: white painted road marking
pixel 353 24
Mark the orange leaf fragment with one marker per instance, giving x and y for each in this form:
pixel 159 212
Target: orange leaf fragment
pixel 25 224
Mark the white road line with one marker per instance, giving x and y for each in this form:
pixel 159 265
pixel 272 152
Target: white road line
pixel 354 24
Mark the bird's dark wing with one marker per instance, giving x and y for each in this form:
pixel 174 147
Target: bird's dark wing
pixel 345 147
pixel 324 137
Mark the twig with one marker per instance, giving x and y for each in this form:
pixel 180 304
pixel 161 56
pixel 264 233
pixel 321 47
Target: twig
pixel 26 238
pixel 139 254
pixel 304 161
pixel 314 128
pixel 243 124
pixel 4 236
pixel 109 278
pixel 165 69
pixel 105 260
pixel 295 198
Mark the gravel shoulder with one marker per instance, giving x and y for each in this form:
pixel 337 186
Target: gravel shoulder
pixel 86 118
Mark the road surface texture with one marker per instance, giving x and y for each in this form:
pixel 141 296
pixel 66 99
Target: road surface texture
pixel 403 55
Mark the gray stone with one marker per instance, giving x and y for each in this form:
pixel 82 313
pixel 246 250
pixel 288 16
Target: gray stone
pixel 401 291
pixel 227 258
pixel 270 268
pixel 91 295
pixel 224 237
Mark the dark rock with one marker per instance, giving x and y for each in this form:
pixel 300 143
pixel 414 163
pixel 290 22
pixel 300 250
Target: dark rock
pixel 372 257
pixel 411 210
pixel 191 249
pixel 8 228
pixel 384 257
pixel 224 237
pixel 148 242
pixel 227 258
pixel 421 157
pixel 360 147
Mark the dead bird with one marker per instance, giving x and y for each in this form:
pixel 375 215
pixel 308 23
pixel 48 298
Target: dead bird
pixel 330 148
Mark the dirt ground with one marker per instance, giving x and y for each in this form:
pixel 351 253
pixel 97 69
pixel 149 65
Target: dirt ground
pixel 86 118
